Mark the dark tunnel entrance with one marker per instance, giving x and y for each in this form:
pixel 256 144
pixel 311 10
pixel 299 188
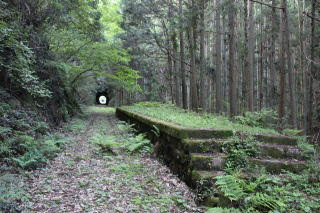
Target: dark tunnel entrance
pixel 102 98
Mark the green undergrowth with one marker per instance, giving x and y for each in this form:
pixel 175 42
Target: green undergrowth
pixel 21 152
pixel 123 151
pixel 100 109
pixel 262 192
pixel 127 141
pixel 249 188
pixel 251 122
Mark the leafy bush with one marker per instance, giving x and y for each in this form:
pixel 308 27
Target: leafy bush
pixel 239 151
pixel 106 144
pixel 292 132
pixel 37 152
pixel 138 144
pixel 264 118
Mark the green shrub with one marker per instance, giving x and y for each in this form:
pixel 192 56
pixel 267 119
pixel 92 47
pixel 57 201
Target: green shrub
pixel 138 144
pixel 36 153
pixel 106 144
pixel 239 151
pixel 264 118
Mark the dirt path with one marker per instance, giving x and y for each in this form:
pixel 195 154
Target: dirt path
pixel 83 180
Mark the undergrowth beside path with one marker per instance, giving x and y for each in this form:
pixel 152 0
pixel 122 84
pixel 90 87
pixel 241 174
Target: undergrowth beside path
pixel 105 169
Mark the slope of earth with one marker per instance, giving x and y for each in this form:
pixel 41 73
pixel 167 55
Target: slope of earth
pixel 85 179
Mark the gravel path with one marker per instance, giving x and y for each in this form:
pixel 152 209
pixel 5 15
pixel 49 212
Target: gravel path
pixel 82 180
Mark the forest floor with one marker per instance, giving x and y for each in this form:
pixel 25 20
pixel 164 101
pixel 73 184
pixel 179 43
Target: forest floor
pixel 83 179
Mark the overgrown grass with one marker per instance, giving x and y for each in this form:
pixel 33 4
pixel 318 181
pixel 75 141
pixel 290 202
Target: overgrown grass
pixel 176 115
pixel 100 109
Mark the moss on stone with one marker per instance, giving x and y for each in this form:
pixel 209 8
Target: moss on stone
pixel 276 166
pixel 207 162
pixel 275 139
pixel 204 145
pixel 172 129
pixel 211 202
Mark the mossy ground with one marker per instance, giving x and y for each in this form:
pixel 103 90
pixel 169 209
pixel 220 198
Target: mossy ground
pixel 179 116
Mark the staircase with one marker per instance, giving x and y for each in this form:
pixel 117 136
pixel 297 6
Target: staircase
pixel 276 153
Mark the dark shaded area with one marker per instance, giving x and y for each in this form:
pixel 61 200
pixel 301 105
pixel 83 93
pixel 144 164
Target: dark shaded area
pixel 99 94
pixel 107 93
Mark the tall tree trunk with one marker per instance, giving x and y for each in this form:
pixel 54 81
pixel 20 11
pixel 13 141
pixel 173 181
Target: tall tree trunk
pixel 193 78
pixel 193 83
pixel 291 75
pixel 260 68
pixel 282 67
pixel 273 56
pixel 309 107
pixel 202 58
pixel 250 59
pixel 246 56
pixel 218 59
pixel 302 63
pixel 232 57
pixel 176 68
pixel 182 61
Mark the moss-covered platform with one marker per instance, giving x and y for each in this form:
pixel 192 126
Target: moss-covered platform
pixel 196 154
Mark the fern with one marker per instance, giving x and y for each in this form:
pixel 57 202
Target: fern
pixel 105 143
pixel 230 186
pixel 264 202
pixel 138 144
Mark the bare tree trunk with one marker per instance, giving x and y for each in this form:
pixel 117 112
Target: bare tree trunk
pixel 193 78
pixel 193 83
pixel 232 68
pixel 260 68
pixel 251 48
pixel 291 75
pixel 309 106
pixel 301 62
pixel 202 58
pixel 176 68
pixel 182 65
pixel 282 68
pixel 273 55
pixel 225 66
pixel 218 59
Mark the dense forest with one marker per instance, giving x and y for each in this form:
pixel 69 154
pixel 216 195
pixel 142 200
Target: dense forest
pixel 228 56
pixel 244 68
pixel 214 56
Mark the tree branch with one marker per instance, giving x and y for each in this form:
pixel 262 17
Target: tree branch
pixel 268 5
pixel 79 75
pixel 314 18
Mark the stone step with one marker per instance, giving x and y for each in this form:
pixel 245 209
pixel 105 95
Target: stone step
pixel 276 139
pixel 280 151
pixel 208 161
pixel 205 145
pixel 275 166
